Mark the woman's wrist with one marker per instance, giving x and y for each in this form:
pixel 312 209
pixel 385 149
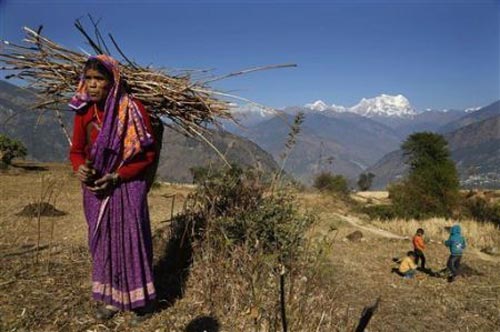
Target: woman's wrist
pixel 115 178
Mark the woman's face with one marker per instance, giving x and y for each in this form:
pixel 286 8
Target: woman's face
pixel 98 85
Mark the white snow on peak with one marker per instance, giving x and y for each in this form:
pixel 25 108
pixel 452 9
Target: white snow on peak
pixel 339 108
pixel 318 105
pixel 383 105
pixel 254 109
pixel 250 113
pixel 472 109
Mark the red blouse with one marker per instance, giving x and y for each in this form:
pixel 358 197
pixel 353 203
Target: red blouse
pixel 80 149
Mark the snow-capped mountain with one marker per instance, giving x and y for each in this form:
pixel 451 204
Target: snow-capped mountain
pixel 473 109
pixel 384 105
pixel 318 105
pixel 380 106
pixel 252 113
pixel 321 106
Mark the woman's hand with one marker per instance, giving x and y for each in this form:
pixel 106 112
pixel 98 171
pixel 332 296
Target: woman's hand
pixel 106 183
pixel 86 173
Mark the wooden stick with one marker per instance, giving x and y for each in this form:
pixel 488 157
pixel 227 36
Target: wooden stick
pixel 121 53
pixel 250 70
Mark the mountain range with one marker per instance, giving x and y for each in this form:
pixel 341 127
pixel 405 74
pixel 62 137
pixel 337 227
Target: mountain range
pixel 344 140
pixel 325 143
pixel 381 106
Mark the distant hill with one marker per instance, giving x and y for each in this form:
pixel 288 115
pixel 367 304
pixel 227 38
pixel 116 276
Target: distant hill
pixel 179 154
pixel 477 116
pixel 45 141
pixel 40 132
pixel 475 148
pixel 476 151
pixel 428 121
pixel 344 143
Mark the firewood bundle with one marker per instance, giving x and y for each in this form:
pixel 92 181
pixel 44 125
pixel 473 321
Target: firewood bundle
pixel 182 102
pixel 54 71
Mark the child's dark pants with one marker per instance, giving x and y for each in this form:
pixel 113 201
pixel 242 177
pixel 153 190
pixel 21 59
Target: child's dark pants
pixel 420 255
pixel 454 264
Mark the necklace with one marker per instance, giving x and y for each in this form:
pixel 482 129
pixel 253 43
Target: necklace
pixel 99 122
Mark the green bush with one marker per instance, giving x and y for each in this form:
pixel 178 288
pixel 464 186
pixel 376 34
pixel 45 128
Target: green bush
pixel 365 181
pixel 382 212
pixel 10 149
pixel 327 182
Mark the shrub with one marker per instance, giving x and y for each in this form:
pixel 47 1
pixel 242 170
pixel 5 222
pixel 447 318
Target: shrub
pixel 199 173
pixel 328 182
pixel 237 209
pixel 250 241
pixel 382 212
pixel 10 149
pixel 365 181
pixel 480 209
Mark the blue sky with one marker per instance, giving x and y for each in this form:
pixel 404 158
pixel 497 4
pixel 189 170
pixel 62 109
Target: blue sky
pixel 439 54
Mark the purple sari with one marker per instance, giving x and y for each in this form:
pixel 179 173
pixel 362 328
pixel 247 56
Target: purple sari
pixel 121 247
pixel 118 223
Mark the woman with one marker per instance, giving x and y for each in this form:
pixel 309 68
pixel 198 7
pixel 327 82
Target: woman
pixel 112 147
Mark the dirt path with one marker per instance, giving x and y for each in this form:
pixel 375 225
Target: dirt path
pixel 357 223
pixel 484 256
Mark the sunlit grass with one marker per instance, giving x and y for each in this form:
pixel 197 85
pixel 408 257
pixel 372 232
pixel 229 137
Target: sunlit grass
pixel 477 234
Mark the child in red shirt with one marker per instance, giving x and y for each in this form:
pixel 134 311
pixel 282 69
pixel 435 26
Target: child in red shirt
pixel 419 247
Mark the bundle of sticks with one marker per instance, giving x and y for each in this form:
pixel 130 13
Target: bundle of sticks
pixel 54 71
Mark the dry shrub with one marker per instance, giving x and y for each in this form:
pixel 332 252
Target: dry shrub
pixel 482 209
pixel 477 234
pixel 250 250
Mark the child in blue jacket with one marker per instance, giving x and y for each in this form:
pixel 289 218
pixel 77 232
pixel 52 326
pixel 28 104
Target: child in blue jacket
pixel 456 243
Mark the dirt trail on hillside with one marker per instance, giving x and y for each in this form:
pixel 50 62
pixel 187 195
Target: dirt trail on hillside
pixel 358 223
pixel 483 256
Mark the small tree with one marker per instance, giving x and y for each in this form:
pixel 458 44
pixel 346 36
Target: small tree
pixel 326 181
pixel 10 149
pixel 432 186
pixel 199 173
pixel 365 181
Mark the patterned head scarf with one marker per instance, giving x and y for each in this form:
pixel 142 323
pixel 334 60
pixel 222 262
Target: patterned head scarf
pixel 123 134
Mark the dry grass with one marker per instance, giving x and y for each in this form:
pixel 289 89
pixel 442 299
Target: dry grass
pixel 380 195
pixel 329 291
pixel 477 234
pixel 363 271
pixel 49 290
